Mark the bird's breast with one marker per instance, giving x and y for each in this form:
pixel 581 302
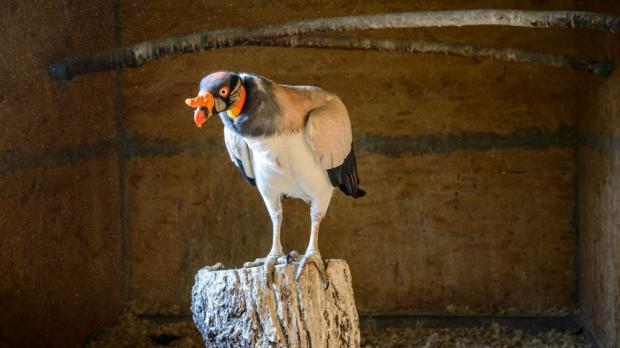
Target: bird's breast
pixel 286 164
pixel 279 151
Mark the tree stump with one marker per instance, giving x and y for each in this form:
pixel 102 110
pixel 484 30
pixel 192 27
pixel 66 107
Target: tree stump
pixel 236 307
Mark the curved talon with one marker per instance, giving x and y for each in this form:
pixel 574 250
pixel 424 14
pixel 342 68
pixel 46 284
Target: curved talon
pixel 270 269
pixel 315 258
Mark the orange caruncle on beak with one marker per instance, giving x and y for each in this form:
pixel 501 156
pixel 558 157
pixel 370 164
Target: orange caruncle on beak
pixel 204 100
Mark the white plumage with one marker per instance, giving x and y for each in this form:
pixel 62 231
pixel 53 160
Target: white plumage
pixel 285 164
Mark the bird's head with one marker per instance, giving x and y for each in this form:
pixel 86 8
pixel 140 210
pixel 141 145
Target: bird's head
pixel 221 91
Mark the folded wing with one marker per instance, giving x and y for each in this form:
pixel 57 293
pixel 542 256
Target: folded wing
pixel 240 154
pixel 328 131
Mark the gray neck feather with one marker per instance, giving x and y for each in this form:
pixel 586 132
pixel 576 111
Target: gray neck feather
pixel 261 114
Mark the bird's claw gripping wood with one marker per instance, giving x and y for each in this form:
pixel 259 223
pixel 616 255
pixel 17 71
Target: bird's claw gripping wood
pixel 217 267
pixel 315 258
pixel 279 258
pixel 269 263
pixel 270 269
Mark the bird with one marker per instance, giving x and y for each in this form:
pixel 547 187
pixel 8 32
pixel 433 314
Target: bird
pixel 288 141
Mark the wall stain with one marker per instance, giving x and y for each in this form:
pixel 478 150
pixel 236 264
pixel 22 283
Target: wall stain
pixel 438 143
pixel 605 144
pixel 123 157
pixel 13 160
pixel 142 148
pixel 133 146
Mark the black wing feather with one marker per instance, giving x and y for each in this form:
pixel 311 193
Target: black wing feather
pixel 345 176
pixel 251 181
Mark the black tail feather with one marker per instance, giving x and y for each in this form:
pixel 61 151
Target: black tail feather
pixel 345 176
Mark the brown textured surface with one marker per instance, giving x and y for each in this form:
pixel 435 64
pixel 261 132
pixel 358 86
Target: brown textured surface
pixel 473 236
pixel 599 169
pixel 395 93
pixel 468 231
pixel 181 210
pixel 418 94
pixel 464 231
pixel 599 239
pixel 59 226
pixel 39 113
pixel 60 241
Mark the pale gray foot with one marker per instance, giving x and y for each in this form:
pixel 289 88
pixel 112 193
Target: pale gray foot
pixel 269 263
pixel 315 258
pixel 218 266
pixel 263 260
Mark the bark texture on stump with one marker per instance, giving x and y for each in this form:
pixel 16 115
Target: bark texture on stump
pixel 236 308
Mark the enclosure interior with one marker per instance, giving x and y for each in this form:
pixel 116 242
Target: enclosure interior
pixel 492 186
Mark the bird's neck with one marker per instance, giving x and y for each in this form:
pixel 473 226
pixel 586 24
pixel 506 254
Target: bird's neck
pixel 237 106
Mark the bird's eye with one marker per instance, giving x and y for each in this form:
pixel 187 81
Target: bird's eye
pixel 224 92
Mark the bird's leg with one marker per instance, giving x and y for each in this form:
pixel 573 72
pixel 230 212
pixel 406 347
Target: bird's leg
pixel 313 243
pixel 276 246
pixel 312 254
pixel 275 254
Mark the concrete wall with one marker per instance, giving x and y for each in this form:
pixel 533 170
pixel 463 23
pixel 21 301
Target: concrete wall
pixel 469 165
pixel 59 222
pixel 599 198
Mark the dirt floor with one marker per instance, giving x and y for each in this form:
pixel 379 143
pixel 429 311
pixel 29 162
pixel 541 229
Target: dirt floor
pixel 492 336
pixel 133 331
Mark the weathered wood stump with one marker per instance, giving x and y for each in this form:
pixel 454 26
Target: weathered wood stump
pixel 236 307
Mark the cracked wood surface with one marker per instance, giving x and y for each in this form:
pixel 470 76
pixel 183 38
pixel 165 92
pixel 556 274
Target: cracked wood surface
pixel 236 308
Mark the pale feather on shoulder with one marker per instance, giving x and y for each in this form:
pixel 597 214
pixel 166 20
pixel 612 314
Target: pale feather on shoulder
pixel 328 131
pixel 322 116
pixel 296 103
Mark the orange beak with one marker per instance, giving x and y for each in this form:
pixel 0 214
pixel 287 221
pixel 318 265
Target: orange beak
pixel 204 100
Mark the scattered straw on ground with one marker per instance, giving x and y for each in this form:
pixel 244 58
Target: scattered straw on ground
pixel 133 331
